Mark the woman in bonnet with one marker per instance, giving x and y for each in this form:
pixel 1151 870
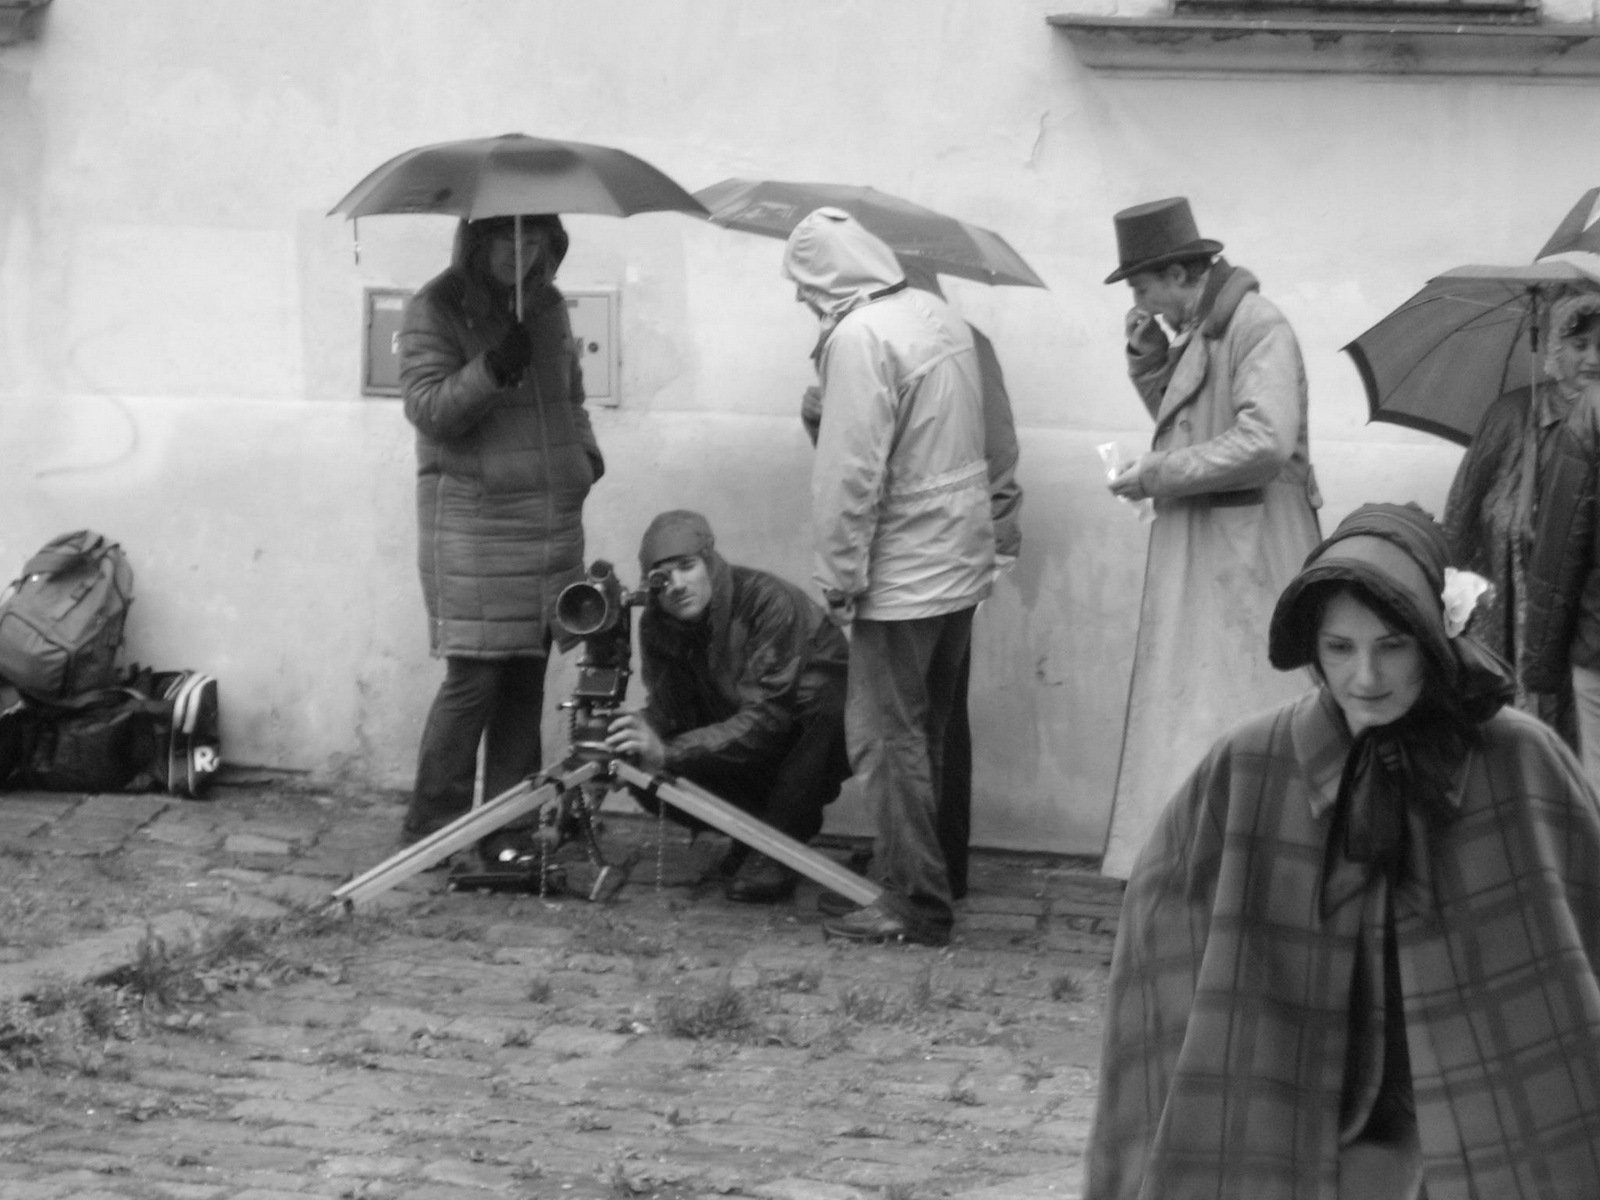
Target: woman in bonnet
pixel 1358 956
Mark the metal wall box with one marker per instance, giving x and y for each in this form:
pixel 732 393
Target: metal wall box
pixel 595 329
pixel 382 311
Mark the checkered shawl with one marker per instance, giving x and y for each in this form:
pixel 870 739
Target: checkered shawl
pixel 1230 1008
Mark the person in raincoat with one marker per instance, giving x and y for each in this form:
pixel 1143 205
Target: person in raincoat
pixel 1497 503
pixel 1235 501
pixel 505 458
pixel 1358 956
pixel 904 544
pixel 1005 510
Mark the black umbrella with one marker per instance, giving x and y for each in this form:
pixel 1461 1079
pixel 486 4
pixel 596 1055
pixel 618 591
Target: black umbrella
pixel 515 175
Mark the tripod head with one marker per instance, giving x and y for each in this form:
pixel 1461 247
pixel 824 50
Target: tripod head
pixel 599 610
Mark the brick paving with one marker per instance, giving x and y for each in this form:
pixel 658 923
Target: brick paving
pixel 453 1045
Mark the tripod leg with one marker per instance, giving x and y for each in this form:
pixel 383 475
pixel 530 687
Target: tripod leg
pixel 466 829
pixel 738 824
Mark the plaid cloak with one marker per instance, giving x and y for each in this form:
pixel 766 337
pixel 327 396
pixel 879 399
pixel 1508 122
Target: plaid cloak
pixel 1230 1008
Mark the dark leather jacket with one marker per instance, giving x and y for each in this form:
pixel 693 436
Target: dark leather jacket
pixel 1563 579
pixel 732 687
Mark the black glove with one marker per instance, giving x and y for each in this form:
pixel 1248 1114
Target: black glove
pixel 511 357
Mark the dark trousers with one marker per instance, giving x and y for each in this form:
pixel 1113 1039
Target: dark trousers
pixel 955 791
pixel 498 702
pixel 790 789
pixel 904 677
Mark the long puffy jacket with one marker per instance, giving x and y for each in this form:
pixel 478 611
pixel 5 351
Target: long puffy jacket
pixel 900 484
pixel 731 687
pixel 1563 585
pixel 501 472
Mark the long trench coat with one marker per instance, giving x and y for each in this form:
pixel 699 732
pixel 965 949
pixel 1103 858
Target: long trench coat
pixel 1235 503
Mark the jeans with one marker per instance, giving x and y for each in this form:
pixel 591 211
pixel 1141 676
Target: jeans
pixel 499 702
pixel 904 678
pixel 789 790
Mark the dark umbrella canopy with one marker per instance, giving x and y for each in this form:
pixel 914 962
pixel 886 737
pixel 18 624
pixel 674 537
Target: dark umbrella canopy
pixel 516 174
pixel 933 240
pixel 1439 360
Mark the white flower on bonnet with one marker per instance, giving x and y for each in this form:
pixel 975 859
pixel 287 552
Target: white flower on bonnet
pixel 1462 591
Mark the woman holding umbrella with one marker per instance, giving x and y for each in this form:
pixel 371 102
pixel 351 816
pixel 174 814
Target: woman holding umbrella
pixel 1358 955
pixel 505 458
pixel 1494 502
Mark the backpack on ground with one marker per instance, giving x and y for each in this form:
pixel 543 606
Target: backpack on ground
pixel 61 621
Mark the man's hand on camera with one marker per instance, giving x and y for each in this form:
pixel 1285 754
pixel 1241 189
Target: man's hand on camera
pixel 631 734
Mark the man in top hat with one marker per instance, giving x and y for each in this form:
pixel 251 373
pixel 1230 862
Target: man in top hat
pixel 746 677
pixel 1219 369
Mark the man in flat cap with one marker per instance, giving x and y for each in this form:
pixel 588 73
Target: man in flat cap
pixel 1219 369
pixel 746 680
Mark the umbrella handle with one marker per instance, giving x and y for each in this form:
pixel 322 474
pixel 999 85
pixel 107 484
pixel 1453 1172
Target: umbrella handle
pixel 516 233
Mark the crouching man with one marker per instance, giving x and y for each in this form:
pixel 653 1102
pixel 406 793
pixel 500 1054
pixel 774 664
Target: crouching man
pixel 746 681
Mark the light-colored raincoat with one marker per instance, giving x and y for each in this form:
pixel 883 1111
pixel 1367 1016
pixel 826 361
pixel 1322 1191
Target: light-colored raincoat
pixel 1235 503
pixel 900 483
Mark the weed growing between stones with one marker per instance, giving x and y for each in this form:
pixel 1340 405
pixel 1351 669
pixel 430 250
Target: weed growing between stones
pixel 65 1025
pixel 69 1024
pixel 1067 988
pixel 721 1012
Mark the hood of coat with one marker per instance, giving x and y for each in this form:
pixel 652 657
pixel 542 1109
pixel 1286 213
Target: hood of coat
pixel 838 263
pixel 470 235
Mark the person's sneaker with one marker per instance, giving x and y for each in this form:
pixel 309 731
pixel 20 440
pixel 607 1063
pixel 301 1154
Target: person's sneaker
pixel 762 880
pixel 875 923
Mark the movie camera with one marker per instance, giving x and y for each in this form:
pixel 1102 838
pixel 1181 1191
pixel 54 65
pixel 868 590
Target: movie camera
pixel 599 611
pixel 561 804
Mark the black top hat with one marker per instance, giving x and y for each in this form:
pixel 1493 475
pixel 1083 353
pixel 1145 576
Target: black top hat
pixel 1155 234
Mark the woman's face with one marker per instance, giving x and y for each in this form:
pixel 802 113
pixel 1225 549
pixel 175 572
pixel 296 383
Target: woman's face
pixel 500 254
pixel 1576 357
pixel 1375 672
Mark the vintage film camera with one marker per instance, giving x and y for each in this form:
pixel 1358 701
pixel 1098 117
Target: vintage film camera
pixel 599 611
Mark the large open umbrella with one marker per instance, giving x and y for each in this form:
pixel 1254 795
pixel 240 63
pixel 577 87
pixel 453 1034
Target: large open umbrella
pixel 515 175
pixel 937 242
pixel 1439 360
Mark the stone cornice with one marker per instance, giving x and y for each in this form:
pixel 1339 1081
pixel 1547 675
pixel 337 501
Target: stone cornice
pixel 1197 45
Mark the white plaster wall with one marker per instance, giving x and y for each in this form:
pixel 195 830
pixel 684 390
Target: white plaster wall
pixel 179 319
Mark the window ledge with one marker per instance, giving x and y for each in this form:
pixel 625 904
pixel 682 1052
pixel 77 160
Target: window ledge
pixel 1372 47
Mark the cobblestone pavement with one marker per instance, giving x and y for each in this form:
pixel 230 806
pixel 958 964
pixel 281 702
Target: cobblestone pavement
pixel 441 1045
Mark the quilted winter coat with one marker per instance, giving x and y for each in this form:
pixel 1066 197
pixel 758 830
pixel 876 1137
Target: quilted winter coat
pixel 502 473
